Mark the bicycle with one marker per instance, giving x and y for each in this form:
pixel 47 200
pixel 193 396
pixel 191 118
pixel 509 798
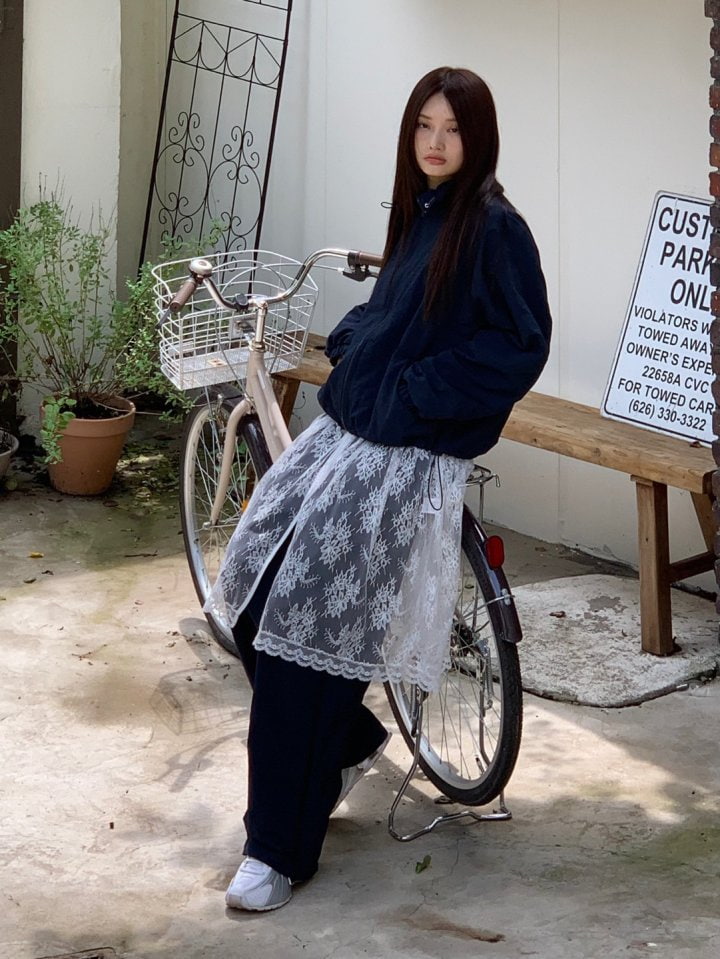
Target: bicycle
pixel 251 306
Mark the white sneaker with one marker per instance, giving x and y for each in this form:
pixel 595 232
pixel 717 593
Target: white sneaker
pixel 352 775
pixel 257 887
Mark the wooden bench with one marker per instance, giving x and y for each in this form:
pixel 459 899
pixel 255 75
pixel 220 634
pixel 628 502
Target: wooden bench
pixel 653 462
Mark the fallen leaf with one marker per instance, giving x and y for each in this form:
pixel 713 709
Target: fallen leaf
pixel 423 864
pixel 34 555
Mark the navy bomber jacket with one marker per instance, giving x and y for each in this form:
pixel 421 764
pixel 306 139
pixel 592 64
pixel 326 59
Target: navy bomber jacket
pixel 446 385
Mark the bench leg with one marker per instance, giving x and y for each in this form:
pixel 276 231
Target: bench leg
pixel 286 392
pixel 655 607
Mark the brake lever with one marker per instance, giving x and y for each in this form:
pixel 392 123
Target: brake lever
pixel 360 273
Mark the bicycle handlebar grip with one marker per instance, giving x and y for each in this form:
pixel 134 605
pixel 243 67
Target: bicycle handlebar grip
pixel 183 295
pixel 364 259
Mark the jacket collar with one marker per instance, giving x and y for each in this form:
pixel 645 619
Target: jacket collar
pixel 429 198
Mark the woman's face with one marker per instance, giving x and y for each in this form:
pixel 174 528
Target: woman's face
pixel 438 146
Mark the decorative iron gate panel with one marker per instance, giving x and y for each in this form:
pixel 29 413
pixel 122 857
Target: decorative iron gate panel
pixel 217 124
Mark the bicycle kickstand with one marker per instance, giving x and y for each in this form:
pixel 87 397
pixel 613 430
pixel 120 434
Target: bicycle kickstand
pixel 501 815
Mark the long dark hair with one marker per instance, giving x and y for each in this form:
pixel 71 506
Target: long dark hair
pixel 475 182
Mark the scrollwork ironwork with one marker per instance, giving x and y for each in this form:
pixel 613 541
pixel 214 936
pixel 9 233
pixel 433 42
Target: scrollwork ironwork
pixel 210 170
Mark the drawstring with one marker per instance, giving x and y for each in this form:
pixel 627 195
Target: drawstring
pixel 436 465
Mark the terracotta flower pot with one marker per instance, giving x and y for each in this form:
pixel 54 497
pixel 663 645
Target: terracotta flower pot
pixel 8 448
pixel 91 449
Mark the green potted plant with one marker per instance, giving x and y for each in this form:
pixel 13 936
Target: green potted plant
pixel 60 311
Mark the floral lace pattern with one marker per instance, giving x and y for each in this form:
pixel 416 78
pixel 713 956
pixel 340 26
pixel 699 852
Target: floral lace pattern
pixel 369 581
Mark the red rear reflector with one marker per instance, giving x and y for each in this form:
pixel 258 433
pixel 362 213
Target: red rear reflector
pixel 495 552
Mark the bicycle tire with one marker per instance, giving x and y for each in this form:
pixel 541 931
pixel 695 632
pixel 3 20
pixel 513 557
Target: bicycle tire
pixel 200 459
pixel 472 726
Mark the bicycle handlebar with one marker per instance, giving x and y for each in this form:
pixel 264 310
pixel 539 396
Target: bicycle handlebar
pixel 201 271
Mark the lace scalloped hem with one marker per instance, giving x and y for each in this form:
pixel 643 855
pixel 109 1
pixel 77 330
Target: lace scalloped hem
pixel 322 661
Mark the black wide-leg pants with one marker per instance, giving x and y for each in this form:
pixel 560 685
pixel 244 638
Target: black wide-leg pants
pixel 305 727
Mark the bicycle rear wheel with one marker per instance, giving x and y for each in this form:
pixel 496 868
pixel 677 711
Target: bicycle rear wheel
pixel 472 726
pixel 200 460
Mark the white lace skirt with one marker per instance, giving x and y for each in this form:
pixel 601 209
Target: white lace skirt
pixel 369 581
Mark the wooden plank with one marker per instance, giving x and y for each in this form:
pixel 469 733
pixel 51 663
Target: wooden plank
pixel 286 391
pixel 579 431
pixel 655 607
pixel 692 566
pixel 315 366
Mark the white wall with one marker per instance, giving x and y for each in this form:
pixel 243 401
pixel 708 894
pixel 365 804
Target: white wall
pixel 600 105
pixel 71 100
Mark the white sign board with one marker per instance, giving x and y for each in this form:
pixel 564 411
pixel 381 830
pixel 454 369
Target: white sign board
pixel 662 373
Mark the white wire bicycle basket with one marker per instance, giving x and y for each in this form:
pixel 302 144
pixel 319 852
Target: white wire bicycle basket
pixel 203 345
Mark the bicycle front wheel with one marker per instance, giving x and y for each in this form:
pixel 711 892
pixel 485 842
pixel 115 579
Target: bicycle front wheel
pixel 471 728
pixel 201 458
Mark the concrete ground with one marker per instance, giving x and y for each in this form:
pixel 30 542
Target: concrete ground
pixel 122 730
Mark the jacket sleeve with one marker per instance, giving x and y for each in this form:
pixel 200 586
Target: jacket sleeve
pixel 339 340
pixel 493 369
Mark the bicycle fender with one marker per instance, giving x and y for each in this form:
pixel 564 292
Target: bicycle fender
pixel 504 610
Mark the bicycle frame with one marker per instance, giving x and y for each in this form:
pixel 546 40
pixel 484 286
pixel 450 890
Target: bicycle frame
pixel 260 397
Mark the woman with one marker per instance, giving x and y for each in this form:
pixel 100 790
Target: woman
pixel 345 569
